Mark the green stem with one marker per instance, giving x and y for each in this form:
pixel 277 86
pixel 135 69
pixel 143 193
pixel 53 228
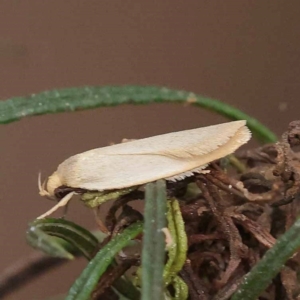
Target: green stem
pixel 148 241
pixel 160 249
pixel 153 252
pixel 73 99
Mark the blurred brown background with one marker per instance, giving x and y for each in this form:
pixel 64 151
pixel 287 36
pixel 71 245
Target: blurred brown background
pixel 245 53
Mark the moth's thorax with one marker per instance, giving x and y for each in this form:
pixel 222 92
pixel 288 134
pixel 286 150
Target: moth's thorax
pixel 54 181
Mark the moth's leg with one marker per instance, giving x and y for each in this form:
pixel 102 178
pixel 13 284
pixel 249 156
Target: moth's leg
pixel 65 210
pixel 63 202
pixel 100 223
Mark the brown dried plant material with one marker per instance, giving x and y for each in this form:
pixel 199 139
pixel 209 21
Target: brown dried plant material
pixel 197 290
pixel 288 164
pixel 237 217
pixel 290 282
pixel 111 218
pixel 127 217
pixel 237 248
pixel 262 236
pixel 265 154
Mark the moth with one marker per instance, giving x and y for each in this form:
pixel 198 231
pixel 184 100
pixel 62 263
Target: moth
pixel 172 156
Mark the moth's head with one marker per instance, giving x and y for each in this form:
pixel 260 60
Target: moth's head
pixel 49 185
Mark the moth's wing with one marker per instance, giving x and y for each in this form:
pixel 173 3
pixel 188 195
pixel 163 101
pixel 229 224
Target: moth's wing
pixel 107 172
pixel 142 161
pixel 184 144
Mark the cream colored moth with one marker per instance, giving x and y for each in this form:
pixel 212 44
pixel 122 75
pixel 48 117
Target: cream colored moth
pixel 172 156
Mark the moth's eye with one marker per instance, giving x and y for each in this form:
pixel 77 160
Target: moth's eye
pixel 62 191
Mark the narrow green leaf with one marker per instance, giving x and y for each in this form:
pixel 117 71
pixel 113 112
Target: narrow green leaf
pixel 148 241
pixel 172 249
pixel 153 253
pixel 87 281
pixel 261 275
pixel 160 243
pixel 73 240
pixel 37 239
pixel 182 242
pixel 73 99
pixel 41 235
pixel 181 289
pixel 177 252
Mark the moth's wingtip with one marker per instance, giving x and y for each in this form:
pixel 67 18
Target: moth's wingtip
pixel 243 132
pixel 247 134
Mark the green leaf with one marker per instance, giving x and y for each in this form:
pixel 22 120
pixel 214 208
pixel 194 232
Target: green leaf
pixel 73 240
pixel 87 281
pixel 41 235
pixel 177 252
pixel 261 275
pixel 73 99
pixel 181 237
pixel 153 253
